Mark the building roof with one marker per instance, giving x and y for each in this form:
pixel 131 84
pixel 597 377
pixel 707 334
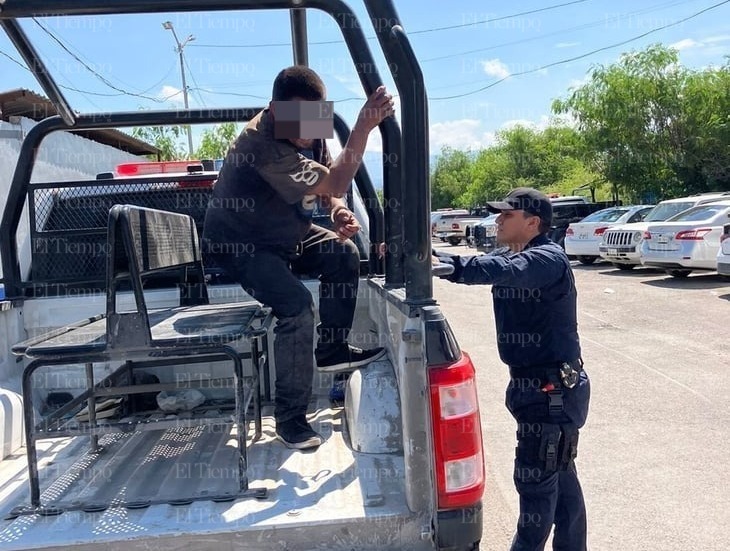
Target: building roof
pixel 25 103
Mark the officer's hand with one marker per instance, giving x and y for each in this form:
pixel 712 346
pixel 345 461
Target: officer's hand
pixel 443 265
pixel 377 107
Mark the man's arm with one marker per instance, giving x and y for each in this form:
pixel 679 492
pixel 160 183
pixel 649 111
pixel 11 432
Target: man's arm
pixel 528 269
pixel 342 170
pixel 345 223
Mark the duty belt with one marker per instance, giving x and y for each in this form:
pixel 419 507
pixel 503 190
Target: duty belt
pixel 566 373
pixel 553 377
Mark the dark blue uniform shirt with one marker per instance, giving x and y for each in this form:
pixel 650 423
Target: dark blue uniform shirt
pixel 534 301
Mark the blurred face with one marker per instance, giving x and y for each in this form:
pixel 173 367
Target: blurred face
pixel 312 119
pixel 516 228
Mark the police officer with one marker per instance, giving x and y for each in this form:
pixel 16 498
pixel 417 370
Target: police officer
pixel 534 297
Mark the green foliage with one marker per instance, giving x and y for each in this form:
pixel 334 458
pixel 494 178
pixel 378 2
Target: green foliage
pixel 645 126
pixel 654 127
pixel 548 159
pixel 214 143
pixel 165 138
pixel 450 178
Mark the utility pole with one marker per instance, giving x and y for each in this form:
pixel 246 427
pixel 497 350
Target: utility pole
pixel 168 26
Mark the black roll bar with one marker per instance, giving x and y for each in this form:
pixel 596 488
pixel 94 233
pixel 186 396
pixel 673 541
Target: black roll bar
pixel 38 68
pixel 407 237
pixel 299 39
pixel 415 172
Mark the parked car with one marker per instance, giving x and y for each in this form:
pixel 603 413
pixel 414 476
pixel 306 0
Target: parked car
pixel 436 216
pixel 452 226
pixel 723 255
pixel 567 210
pixel 688 241
pixel 484 234
pixel 621 244
pixel 583 238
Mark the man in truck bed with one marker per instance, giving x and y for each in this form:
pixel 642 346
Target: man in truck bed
pixel 258 229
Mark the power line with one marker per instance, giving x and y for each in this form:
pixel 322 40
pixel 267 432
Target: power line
pixel 421 31
pixel 530 12
pixel 197 86
pixel 564 61
pixel 582 27
pixel 238 94
pixel 11 58
pixel 90 69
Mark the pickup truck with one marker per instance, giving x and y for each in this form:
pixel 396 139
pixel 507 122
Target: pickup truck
pixel 455 227
pixel 568 210
pixel 402 466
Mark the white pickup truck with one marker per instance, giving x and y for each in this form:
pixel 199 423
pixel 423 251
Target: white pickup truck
pixel 402 467
pixel 454 227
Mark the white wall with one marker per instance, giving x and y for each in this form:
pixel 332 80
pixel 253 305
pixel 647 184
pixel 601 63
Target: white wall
pixel 62 157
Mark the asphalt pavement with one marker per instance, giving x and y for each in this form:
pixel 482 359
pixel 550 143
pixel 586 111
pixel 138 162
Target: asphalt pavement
pixel 654 456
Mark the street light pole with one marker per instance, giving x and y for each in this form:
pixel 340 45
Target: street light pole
pixel 168 25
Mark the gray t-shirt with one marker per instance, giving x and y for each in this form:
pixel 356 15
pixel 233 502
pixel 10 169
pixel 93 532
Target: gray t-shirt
pixel 261 196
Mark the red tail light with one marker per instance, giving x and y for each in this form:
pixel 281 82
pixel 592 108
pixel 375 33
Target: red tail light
pixel 693 235
pixel 569 231
pixel 457 434
pixel 647 235
pixel 600 231
pixel 454 226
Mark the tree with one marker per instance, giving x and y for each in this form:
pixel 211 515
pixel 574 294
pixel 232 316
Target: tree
pixel 450 178
pixel 214 143
pixel 164 138
pixel 655 128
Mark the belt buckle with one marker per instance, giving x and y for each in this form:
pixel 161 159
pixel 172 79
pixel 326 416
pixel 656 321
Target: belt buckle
pixel 568 375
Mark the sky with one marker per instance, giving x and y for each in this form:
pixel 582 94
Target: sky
pixel 488 65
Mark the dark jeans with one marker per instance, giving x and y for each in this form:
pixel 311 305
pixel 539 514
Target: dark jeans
pixel 270 276
pixel 547 496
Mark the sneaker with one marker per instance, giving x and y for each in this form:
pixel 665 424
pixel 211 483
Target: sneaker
pixel 297 434
pixel 337 392
pixel 346 358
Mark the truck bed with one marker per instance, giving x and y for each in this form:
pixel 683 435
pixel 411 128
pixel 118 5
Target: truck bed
pixel 346 488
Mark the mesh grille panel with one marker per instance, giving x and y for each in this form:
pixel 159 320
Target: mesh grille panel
pixel 69 234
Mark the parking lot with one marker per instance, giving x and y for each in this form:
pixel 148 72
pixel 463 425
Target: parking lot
pixel 653 457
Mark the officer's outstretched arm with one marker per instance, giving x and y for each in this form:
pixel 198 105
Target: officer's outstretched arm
pixel 528 269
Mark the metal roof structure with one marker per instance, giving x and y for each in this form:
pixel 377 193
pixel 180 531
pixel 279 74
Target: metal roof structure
pixel 26 103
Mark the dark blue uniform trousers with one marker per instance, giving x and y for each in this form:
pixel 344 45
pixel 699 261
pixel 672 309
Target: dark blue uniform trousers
pixel 550 494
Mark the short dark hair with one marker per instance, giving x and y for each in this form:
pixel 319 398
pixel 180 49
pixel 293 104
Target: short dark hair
pixel 298 81
pixel 544 226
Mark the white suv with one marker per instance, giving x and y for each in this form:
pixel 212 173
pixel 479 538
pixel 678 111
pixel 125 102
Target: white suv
pixel 621 244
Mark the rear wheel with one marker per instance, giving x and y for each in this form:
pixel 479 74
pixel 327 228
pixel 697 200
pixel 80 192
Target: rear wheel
pixel 624 267
pixel 586 260
pixel 454 240
pixel 679 273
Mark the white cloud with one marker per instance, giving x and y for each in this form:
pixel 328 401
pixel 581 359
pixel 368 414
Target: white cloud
pixel 538 125
pixel 495 68
pixel 715 39
pixel 172 94
pixel 459 134
pixel 578 82
pixel 351 83
pixel 686 44
pixel 567 44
